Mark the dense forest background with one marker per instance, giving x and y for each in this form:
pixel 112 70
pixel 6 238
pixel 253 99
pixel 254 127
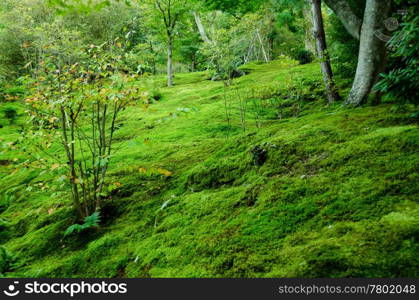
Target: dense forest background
pixel 212 138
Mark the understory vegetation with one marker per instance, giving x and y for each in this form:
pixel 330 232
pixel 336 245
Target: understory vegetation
pixel 216 138
pixel 336 195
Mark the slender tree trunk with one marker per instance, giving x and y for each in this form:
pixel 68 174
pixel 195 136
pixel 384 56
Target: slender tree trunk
pixel 271 36
pixel 372 52
pixel 201 28
pixel 170 61
pixel 262 46
pixel 194 63
pixel 70 156
pixel 320 37
pixel 153 60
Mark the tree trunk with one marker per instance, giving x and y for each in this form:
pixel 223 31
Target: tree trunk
pixel 201 28
pixel 262 46
pixel 271 36
pixel 309 41
pixel 372 52
pixel 347 16
pixel 153 60
pixel 320 37
pixel 193 63
pixel 170 62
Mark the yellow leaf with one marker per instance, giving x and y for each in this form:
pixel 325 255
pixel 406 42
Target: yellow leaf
pixel 143 170
pixel 54 166
pixel 164 172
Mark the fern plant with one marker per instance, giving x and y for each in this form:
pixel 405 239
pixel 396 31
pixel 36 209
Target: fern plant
pixel 89 222
pixel 402 82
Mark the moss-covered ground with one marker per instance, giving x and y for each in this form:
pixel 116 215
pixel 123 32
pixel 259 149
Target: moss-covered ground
pixel 336 193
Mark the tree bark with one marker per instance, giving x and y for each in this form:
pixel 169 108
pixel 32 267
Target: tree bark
pixel 309 41
pixel 262 46
pixel 347 16
pixel 201 28
pixel 153 60
pixel 320 37
pixel 70 156
pixel 372 52
pixel 170 62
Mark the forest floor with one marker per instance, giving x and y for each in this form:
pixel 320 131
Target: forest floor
pixel 289 187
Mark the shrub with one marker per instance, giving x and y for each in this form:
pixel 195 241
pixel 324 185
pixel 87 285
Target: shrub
pixel 10 113
pixel 106 94
pixel 304 57
pixel 402 82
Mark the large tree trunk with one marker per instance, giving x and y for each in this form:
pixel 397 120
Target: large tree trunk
pixel 170 62
pixel 346 15
pixel 372 52
pixel 320 37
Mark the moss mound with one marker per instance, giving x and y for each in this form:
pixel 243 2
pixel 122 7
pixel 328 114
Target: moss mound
pixel 335 193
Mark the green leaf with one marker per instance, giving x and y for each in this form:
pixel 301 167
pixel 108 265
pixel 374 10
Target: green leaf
pixel 90 221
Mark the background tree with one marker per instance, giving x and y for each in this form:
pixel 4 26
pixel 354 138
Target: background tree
pixel 77 98
pixel 372 50
pixel 322 52
pixel 171 11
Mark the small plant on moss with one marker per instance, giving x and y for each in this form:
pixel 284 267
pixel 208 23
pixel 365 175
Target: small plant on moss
pixel 89 222
pixel 81 93
pixel 10 113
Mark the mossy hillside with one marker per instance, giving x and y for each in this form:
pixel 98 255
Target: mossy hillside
pixel 337 195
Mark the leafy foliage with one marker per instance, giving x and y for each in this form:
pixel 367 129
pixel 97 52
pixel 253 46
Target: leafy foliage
pixel 89 222
pixel 234 6
pixel 402 82
pixel 72 90
pixel 304 57
pixel 331 189
pixel 342 49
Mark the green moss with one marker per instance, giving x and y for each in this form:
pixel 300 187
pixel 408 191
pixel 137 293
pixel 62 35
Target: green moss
pixel 337 195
